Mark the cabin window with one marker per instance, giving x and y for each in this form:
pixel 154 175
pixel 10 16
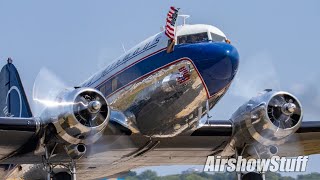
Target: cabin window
pixel 217 38
pixel 103 89
pixel 193 38
pixel 108 88
pixel 114 84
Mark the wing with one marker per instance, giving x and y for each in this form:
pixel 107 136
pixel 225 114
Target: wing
pixel 306 141
pixel 18 135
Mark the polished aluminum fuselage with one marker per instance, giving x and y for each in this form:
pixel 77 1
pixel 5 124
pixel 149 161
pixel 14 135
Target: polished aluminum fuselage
pixel 158 105
pixel 162 94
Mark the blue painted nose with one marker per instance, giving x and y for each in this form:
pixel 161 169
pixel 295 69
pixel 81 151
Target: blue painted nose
pixel 217 63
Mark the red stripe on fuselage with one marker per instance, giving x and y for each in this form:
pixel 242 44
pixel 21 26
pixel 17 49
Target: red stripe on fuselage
pixel 173 62
pixel 132 64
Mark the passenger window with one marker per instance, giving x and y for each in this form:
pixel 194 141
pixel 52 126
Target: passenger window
pixel 108 88
pixel 103 89
pixel 217 38
pixel 114 84
pixel 193 38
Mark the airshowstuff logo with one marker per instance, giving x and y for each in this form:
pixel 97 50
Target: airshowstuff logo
pixel 240 164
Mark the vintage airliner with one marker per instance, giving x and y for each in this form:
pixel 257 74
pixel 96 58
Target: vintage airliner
pixel 146 109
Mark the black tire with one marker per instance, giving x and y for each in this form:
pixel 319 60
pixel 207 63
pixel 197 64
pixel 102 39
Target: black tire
pixel 252 176
pixel 61 176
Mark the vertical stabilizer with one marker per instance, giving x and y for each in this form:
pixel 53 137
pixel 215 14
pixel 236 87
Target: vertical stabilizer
pixel 13 100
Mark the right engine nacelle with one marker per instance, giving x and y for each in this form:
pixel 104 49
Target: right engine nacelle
pixel 268 118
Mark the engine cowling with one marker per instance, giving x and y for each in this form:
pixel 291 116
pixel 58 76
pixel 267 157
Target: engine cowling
pixel 267 119
pixel 80 116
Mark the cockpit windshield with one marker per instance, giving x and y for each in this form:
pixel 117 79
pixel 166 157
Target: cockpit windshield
pixel 193 38
pixel 217 38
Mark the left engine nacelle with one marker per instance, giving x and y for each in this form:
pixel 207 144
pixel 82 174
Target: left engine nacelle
pixel 80 116
pixel 267 118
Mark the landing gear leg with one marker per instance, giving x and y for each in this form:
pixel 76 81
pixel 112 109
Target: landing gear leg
pixel 48 175
pixel 263 175
pixel 73 170
pixel 239 175
pixel 46 164
pixel 71 175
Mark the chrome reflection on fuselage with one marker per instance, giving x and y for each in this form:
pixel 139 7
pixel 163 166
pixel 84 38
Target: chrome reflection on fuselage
pixel 165 94
pixel 167 101
pixel 163 103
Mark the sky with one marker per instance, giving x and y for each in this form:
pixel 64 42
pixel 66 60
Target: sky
pixel 278 42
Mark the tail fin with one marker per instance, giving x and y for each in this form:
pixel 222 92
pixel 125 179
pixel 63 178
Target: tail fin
pixel 13 100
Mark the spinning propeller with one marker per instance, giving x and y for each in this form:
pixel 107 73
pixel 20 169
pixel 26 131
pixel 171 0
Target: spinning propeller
pixel 284 111
pixel 46 89
pixel 50 92
pixel 82 115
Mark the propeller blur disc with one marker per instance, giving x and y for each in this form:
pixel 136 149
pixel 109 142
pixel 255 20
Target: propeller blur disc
pixel 46 88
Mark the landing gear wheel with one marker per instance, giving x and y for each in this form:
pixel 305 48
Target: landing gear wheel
pixel 252 176
pixel 61 176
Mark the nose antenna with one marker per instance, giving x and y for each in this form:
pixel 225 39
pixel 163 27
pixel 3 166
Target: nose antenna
pixel 184 18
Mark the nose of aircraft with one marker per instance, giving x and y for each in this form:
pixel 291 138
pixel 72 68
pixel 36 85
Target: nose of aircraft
pixel 217 63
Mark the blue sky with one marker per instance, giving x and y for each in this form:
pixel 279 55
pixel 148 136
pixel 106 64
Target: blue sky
pixel 278 41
